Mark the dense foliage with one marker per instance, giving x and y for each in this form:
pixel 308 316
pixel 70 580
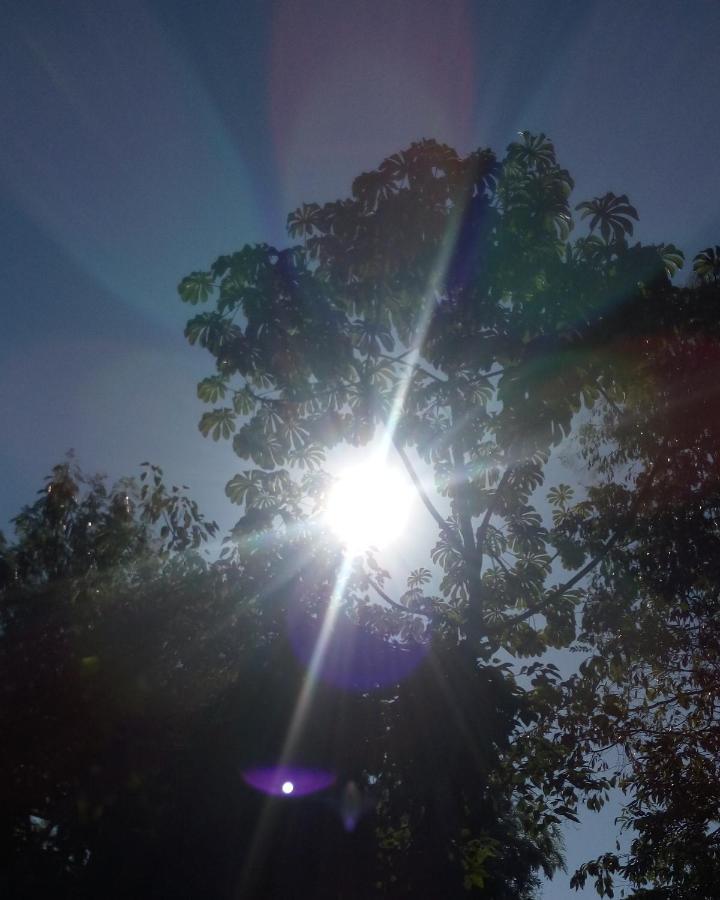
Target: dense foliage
pixel 560 394
pixel 650 686
pixel 443 305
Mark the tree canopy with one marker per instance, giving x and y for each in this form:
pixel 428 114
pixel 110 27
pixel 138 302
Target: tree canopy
pixel 557 388
pixel 445 307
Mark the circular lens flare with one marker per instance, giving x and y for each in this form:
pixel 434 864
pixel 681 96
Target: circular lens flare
pixel 368 506
pixel 285 780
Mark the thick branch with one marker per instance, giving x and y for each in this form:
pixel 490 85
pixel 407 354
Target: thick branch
pixel 418 486
pixel 464 514
pixel 381 593
pixel 492 506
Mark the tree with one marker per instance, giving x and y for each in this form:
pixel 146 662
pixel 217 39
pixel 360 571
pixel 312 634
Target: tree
pixel 102 591
pixel 650 685
pixel 442 307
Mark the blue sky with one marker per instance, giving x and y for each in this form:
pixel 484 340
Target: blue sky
pixel 142 139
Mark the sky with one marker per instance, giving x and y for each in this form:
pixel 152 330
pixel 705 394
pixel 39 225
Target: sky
pixel 143 139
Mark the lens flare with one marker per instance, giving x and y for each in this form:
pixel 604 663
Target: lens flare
pixel 282 781
pixel 368 506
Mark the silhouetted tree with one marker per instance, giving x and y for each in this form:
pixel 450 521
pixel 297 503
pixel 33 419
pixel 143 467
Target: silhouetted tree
pixel 443 307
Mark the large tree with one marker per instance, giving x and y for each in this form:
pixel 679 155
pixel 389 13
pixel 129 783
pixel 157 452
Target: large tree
pixel 443 308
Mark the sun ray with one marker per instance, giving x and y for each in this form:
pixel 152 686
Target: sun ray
pixel 302 707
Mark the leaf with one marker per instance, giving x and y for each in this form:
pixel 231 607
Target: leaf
pixel 266 450
pixel 418 577
pixel 243 402
pixel 218 423
pixel 196 287
pixel 212 389
pixel 243 486
pixel 560 495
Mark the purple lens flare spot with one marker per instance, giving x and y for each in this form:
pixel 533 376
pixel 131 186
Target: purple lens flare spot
pixel 353 658
pixel 288 781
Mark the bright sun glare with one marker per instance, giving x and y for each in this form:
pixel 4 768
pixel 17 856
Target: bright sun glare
pixel 368 506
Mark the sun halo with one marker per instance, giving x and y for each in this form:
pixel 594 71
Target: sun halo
pixel 368 506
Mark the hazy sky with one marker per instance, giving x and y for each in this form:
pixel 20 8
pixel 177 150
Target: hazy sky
pixel 141 140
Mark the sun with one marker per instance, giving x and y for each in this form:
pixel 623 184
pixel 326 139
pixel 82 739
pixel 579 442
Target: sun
pixel 368 506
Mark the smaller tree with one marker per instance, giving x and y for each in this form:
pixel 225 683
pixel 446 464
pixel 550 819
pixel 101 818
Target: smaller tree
pixel 105 598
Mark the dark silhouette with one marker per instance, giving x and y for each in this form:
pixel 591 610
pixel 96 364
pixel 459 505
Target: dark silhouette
pixel 171 712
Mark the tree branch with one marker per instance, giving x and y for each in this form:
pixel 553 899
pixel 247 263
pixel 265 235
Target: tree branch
pixel 607 547
pixel 616 409
pixel 397 359
pixel 381 593
pixel 492 506
pixel 427 502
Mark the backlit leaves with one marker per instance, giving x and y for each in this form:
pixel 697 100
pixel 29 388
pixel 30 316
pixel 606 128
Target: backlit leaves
pixel 560 495
pixel 212 389
pixel 613 214
pixel 218 423
pixel 196 287
pixel 445 290
pixel 706 264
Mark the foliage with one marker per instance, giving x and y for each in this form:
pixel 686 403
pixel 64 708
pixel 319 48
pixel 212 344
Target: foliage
pixel 103 590
pixel 706 264
pixel 443 305
pixel 139 681
pixel 650 686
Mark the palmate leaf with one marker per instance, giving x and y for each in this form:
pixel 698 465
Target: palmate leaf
pixel 532 151
pixel 613 215
pixel 293 435
pixel 243 402
pixel 212 389
pixel 444 554
pixel 308 456
pixel 673 259
pixel 560 495
pixel 196 287
pixel 266 450
pixel 218 423
pixel 245 487
pixel 211 330
pixel 304 221
pixel 418 577
pixel 706 264
pixel 372 338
